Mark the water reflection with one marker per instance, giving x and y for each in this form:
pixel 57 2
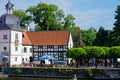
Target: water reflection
pixel 24 78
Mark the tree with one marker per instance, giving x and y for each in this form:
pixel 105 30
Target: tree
pixel 116 29
pixel 76 36
pixel 99 37
pixel 88 56
pixel 88 36
pixel 103 38
pixel 97 53
pixel 114 53
pixel 76 54
pixel 108 38
pixel 23 17
pixel 69 21
pixel 106 49
pixel 46 16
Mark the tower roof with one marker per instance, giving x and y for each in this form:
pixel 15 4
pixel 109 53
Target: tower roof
pixel 9 21
pixel 9 5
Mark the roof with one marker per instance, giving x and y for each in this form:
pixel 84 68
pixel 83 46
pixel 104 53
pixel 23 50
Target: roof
pixel 49 37
pixel 9 21
pixel 9 5
pixel 25 39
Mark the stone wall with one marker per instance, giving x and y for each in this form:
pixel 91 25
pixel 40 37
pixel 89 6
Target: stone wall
pixel 66 73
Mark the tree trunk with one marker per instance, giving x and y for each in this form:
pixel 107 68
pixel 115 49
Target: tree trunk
pixel 76 63
pixel 115 62
pixel 88 64
pixel 80 62
pixel 96 63
pixel 105 62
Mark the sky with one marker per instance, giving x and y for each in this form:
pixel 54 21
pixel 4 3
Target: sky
pixel 87 13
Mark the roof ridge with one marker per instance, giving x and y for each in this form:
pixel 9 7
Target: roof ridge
pixel 49 31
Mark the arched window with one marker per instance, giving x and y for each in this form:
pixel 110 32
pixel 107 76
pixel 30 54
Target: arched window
pixel 25 49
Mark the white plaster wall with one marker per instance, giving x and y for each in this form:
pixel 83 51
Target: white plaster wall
pixel 19 36
pixel 27 54
pixel 70 43
pixel 14 53
pixel 4 43
pixel 13 62
pixel 4 32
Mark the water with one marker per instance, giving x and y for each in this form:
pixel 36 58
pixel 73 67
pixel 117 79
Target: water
pixel 25 78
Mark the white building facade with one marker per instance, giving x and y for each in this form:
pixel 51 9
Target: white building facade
pixel 11 37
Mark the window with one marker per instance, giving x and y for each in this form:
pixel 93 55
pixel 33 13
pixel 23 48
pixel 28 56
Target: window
pixel 25 49
pixel 31 50
pixel 16 48
pixel 40 47
pixel 16 36
pixel 60 46
pixel 15 58
pixel 26 59
pixel 4 37
pixel 50 47
pixel 22 60
pixel 5 48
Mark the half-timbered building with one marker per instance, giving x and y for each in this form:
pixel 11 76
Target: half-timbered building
pixel 53 43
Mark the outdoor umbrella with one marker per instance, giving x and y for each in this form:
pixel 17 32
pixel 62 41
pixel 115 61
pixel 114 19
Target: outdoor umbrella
pixel 46 57
pixel 2 56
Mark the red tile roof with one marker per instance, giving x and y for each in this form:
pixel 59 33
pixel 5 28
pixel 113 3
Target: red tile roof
pixel 25 39
pixel 49 37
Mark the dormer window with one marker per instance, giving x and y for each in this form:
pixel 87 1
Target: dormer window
pixel 1 21
pixel 18 22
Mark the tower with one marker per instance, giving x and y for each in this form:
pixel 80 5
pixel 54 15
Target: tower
pixel 9 7
pixel 11 35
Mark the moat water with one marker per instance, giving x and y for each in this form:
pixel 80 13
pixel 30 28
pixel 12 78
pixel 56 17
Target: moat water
pixel 24 78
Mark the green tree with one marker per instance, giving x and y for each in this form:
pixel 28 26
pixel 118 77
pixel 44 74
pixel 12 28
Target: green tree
pixel 97 53
pixel 108 38
pixel 114 53
pixel 69 21
pixel 88 36
pixel 106 49
pixel 76 36
pixel 88 56
pixel 46 16
pixel 23 17
pixel 76 54
pixel 103 38
pixel 116 29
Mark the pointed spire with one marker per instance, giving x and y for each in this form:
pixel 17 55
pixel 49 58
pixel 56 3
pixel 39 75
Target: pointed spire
pixel 9 7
